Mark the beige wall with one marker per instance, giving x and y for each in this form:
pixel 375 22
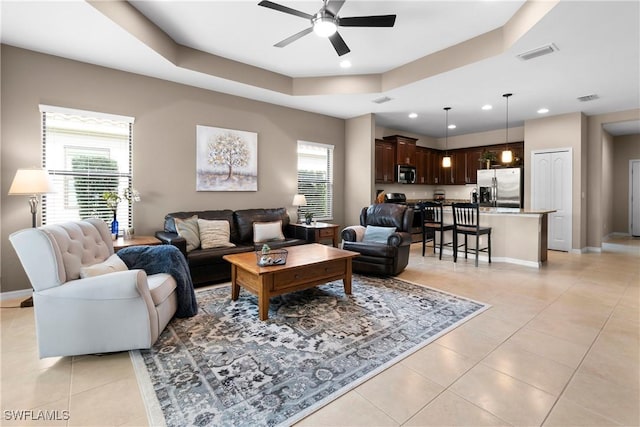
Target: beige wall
pixel 164 156
pixel 625 148
pixel 563 131
pixel 607 183
pixel 359 177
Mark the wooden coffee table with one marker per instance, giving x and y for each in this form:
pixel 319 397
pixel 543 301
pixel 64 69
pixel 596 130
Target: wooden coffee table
pixel 307 266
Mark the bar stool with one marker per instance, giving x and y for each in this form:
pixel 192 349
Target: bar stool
pixel 432 222
pixel 466 220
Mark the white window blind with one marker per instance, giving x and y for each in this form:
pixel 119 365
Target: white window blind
pixel 315 178
pixel 87 154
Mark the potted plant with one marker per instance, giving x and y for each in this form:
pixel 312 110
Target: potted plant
pixel 487 157
pixel 308 217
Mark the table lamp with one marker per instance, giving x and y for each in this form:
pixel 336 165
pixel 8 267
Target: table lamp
pixel 299 200
pixel 33 182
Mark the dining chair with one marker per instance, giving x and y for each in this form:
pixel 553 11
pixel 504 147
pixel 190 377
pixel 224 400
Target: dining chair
pixel 466 221
pixel 432 224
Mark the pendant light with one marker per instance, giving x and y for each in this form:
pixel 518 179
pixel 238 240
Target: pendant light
pixel 446 160
pixel 507 155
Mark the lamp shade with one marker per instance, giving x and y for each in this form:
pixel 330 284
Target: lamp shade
pixel 507 156
pixel 446 162
pixel 299 200
pixel 31 181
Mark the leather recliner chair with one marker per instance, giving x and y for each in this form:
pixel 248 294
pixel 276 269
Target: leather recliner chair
pixel 390 258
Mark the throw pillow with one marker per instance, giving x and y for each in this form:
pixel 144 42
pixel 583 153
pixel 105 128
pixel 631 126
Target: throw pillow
pixel 267 231
pixel 214 234
pixel 359 230
pixel 374 234
pixel 188 228
pixel 109 265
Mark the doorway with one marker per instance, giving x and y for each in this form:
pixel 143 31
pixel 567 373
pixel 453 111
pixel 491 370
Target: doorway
pixel 551 189
pixel 634 197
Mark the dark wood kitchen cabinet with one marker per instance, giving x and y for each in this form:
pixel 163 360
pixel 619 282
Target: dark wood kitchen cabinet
pixel 422 165
pixel 405 149
pixel 385 157
pixel 472 164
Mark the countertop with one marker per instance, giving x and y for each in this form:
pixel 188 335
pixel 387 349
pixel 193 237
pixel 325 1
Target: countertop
pixel 490 210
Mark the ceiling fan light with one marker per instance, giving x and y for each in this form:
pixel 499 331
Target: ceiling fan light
pixel 324 26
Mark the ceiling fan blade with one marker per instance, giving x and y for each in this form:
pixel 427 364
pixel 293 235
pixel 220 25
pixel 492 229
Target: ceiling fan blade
pixel 368 21
pixel 334 6
pixel 294 37
pixel 338 44
pixel 285 9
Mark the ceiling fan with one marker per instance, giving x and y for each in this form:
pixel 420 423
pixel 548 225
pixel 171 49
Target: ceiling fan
pixel 326 21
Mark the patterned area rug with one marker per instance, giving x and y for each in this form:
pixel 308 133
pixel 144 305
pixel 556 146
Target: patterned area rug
pixel 225 367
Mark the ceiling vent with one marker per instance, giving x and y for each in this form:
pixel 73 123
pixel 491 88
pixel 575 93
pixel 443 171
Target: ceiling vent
pixel 534 53
pixel 382 100
pixel 586 98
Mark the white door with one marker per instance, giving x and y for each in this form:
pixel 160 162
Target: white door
pixel 551 185
pixel 634 197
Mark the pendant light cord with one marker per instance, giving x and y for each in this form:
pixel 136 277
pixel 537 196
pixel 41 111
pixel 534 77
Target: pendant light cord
pixel 506 141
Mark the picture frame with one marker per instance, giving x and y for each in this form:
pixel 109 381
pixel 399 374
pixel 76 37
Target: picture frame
pixel 226 159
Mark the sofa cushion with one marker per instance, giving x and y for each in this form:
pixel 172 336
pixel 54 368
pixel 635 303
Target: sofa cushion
pixel 246 217
pixel 110 265
pixel 161 285
pixel 214 255
pixel 267 231
pixel 188 228
pixel 225 214
pixel 214 234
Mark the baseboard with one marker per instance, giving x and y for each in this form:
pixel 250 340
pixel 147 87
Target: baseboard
pixel 485 258
pixel 594 249
pixel 23 293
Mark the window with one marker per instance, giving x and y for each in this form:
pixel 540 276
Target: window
pixel 86 154
pixel 315 178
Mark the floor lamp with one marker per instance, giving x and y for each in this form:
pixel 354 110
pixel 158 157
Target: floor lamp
pixel 31 182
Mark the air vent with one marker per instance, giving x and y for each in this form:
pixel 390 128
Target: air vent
pixel 382 100
pixel 544 50
pixel 587 98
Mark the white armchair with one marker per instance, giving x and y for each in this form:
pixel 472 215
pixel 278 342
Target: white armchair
pixel 116 311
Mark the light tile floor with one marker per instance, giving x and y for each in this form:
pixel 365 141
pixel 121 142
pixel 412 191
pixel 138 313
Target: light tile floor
pixel 559 346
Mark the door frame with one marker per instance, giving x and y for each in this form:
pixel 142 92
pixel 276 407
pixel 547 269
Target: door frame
pixel 631 162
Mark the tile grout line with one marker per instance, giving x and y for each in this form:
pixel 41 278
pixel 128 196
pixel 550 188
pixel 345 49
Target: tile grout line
pixel 582 361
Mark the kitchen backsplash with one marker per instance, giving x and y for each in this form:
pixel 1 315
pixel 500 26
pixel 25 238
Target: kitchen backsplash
pixel 425 192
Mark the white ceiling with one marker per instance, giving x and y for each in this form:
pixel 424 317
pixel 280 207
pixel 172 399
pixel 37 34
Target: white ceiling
pixel 598 42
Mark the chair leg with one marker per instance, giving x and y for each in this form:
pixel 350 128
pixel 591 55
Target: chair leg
pixel 466 247
pixel 424 236
pixel 441 240
pixel 477 248
pixel 455 246
pixel 489 243
pixel 434 242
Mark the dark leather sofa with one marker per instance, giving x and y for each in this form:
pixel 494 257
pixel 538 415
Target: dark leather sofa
pixel 207 265
pixel 387 259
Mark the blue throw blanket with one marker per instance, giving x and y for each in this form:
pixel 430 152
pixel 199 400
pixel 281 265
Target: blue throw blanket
pixel 165 259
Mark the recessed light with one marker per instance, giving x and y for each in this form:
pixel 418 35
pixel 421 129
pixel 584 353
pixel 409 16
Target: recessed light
pixel 487 107
pixel 543 111
pixel 345 64
pixel 413 115
pixel 452 126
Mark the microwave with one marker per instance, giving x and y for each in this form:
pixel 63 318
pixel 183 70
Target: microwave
pixel 405 174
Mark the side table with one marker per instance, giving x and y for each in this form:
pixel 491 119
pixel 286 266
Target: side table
pixel 121 242
pixel 315 232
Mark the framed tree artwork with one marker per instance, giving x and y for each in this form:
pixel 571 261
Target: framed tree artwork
pixel 226 159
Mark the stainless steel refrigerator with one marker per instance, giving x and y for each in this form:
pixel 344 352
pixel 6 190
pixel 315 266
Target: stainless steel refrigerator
pixel 501 187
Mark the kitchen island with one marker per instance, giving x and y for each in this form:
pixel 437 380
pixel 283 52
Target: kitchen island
pixel 518 236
